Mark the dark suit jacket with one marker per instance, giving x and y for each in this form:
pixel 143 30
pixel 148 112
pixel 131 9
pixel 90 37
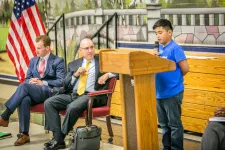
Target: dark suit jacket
pixel 72 67
pixel 54 73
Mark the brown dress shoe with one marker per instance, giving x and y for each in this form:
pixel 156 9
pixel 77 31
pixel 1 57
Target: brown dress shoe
pixel 22 139
pixel 4 123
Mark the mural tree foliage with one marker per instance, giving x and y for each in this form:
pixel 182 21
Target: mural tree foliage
pixel 66 8
pixel 5 12
pixel 72 6
pixel 222 3
pixel 56 9
pixel 194 3
pixel 89 4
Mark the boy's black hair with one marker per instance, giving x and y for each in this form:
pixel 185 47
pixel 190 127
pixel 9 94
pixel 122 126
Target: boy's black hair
pixel 166 24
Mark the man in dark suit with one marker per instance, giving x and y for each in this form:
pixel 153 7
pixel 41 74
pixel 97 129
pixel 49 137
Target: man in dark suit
pixel 214 135
pixel 44 72
pixel 71 97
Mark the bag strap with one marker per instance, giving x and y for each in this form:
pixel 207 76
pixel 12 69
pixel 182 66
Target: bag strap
pixel 88 127
pixel 94 126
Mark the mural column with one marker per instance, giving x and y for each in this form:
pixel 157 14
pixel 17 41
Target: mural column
pixel 99 12
pixel 154 13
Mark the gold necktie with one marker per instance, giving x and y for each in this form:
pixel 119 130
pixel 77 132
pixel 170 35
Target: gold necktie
pixel 83 80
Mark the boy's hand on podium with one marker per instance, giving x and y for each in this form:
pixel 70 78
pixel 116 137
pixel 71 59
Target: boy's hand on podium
pixel 155 52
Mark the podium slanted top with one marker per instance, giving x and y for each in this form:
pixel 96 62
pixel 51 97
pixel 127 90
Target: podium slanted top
pixel 133 62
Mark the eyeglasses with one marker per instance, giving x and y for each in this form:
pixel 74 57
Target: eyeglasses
pixel 87 48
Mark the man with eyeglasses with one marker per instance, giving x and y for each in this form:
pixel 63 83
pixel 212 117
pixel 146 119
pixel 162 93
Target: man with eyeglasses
pixel 73 96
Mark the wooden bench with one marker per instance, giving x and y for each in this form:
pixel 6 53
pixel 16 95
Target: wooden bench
pixel 204 90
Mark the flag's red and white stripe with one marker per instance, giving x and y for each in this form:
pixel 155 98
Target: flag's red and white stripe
pixel 21 38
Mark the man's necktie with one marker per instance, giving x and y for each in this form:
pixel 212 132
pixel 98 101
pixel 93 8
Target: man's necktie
pixel 41 68
pixel 83 80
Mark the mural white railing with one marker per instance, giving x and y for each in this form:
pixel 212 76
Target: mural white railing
pixel 180 16
pixel 80 17
pixel 126 16
pixel 191 25
pixel 201 14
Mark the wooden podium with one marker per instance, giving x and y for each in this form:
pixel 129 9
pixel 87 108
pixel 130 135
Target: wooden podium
pixel 139 117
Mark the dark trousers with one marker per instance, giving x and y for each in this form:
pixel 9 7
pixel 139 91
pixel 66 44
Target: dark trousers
pixel 26 95
pixel 169 118
pixel 74 107
pixel 214 137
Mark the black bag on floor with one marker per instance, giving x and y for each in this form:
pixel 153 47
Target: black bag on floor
pixel 86 138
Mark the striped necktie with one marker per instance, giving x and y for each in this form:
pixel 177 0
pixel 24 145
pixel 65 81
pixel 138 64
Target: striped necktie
pixel 41 68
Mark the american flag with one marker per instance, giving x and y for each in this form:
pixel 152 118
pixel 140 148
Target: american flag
pixel 25 25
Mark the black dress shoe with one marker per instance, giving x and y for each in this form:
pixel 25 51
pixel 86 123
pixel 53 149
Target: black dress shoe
pixel 56 145
pixel 49 143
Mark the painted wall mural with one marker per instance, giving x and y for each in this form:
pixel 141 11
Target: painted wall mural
pixel 50 9
pixel 53 8
pixel 210 35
